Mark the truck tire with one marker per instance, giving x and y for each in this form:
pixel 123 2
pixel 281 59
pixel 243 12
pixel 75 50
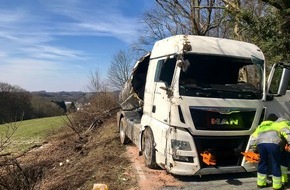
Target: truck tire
pixel 149 148
pixel 122 129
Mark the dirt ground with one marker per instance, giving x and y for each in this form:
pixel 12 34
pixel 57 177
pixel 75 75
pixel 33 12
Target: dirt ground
pixel 67 162
pixel 149 178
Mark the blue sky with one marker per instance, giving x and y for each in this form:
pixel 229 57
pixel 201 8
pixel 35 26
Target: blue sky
pixel 53 45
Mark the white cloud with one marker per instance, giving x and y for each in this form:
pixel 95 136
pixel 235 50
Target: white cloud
pixel 31 38
pixel 53 52
pixel 22 27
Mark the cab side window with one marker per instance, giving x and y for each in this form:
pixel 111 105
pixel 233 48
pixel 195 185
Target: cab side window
pixel 165 71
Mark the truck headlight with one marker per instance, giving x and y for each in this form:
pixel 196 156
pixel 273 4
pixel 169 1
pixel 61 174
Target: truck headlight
pixel 180 145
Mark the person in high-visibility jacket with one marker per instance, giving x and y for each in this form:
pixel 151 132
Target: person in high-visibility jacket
pixel 285 155
pixel 269 138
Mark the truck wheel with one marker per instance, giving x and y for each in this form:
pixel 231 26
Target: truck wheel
pixel 149 148
pixel 122 128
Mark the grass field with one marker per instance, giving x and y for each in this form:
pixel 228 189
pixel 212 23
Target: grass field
pixel 29 133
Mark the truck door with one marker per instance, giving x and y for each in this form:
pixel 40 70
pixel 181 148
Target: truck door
pixel 161 103
pixel 278 102
pixel 163 80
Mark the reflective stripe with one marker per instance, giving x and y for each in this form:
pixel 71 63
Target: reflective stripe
pixel 284 171
pixel 277 182
pixel 261 179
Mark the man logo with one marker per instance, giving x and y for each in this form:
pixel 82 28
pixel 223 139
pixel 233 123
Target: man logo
pixel 219 121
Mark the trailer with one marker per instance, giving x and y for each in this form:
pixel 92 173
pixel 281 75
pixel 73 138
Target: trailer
pixel 191 104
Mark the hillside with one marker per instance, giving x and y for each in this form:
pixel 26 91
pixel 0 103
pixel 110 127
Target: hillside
pixel 62 96
pixel 74 96
pixel 65 161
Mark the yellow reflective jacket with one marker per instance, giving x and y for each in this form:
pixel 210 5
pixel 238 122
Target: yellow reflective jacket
pixel 272 132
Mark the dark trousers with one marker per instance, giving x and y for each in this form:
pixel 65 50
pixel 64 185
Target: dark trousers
pixel 269 153
pixel 285 158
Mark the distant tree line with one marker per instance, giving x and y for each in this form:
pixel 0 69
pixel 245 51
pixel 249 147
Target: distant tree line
pixel 18 104
pixel 15 103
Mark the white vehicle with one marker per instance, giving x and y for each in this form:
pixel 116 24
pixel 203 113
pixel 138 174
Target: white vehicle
pixel 192 103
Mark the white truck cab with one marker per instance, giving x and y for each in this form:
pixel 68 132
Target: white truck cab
pixel 192 103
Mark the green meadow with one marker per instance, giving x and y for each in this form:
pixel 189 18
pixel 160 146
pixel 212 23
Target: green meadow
pixel 29 133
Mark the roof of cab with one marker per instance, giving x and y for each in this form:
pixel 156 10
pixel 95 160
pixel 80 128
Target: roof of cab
pixel 205 45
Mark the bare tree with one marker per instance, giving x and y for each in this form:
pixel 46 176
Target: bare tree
pixel 95 82
pixel 172 17
pixel 11 175
pixel 119 70
pixel 192 16
pixel 96 107
pixel 14 175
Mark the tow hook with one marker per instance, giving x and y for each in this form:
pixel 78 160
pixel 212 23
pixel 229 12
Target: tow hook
pixel 208 158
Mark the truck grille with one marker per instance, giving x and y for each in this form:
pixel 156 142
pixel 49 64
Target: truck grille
pixel 223 119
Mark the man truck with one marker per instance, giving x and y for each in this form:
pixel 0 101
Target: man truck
pixel 191 104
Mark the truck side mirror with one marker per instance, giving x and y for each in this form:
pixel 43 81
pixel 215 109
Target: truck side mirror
pixel 283 85
pixel 282 77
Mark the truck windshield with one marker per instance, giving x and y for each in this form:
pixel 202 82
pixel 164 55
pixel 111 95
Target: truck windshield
pixel 220 77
